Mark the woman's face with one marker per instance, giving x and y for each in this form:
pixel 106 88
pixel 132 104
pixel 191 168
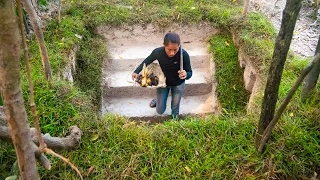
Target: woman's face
pixel 171 49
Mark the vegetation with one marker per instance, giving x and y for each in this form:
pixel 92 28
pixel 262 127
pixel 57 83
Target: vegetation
pixel 215 147
pixel 257 38
pixel 231 92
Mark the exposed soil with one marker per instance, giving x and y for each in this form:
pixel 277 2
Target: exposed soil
pixel 306 31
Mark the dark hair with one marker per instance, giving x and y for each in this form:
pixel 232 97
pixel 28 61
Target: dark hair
pixel 171 37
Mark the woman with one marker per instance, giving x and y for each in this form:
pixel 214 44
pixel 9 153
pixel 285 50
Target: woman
pixel 169 60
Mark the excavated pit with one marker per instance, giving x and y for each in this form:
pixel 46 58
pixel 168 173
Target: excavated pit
pixel 130 45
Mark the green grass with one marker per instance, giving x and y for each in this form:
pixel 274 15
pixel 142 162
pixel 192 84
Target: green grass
pixel 1 102
pixel 214 148
pixel 218 147
pixel 231 92
pixel 257 36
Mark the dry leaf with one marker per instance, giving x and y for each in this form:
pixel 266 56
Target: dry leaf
pixel 188 169
pixel 90 170
pixel 94 137
pixel 197 153
pixel 78 36
pixel 227 44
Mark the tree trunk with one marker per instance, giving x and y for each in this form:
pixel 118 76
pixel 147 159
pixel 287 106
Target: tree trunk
pixel 286 101
pixel 35 21
pixel 245 8
pixel 12 94
pixel 312 77
pixel 282 44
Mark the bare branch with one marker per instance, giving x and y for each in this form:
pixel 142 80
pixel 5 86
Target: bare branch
pixel 49 151
pixel 59 11
pixel 2 116
pixel 245 8
pixel 27 61
pixel 272 124
pixel 35 21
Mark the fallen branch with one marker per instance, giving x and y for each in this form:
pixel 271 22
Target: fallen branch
pixel 57 143
pixel 272 124
pixel 67 143
pixel 44 161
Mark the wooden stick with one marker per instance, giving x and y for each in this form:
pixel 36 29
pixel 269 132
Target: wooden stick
pixel 27 60
pixel 49 151
pixel 181 58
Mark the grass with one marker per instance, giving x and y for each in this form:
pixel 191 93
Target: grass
pixel 257 36
pixel 213 148
pixel 231 92
pixel 217 147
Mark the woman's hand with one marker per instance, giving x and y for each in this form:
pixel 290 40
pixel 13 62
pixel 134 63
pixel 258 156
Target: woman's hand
pixel 134 76
pixel 182 74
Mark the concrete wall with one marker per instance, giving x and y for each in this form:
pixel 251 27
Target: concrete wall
pixel 70 68
pixel 252 78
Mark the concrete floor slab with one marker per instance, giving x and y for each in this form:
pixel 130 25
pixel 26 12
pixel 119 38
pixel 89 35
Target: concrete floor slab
pixel 143 50
pixel 123 78
pixel 139 107
pixel 137 91
pixel 119 84
pixel 200 61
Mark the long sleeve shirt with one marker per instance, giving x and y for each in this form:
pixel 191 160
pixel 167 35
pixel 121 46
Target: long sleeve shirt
pixel 169 65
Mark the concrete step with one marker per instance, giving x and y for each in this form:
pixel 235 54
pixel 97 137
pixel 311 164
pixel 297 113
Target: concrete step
pixel 200 61
pixel 129 46
pixel 117 85
pixel 128 50
pixel 138 108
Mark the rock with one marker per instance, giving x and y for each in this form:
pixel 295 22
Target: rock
pixel 70 68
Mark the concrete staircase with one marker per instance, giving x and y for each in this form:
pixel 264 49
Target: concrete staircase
pixel 123 98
